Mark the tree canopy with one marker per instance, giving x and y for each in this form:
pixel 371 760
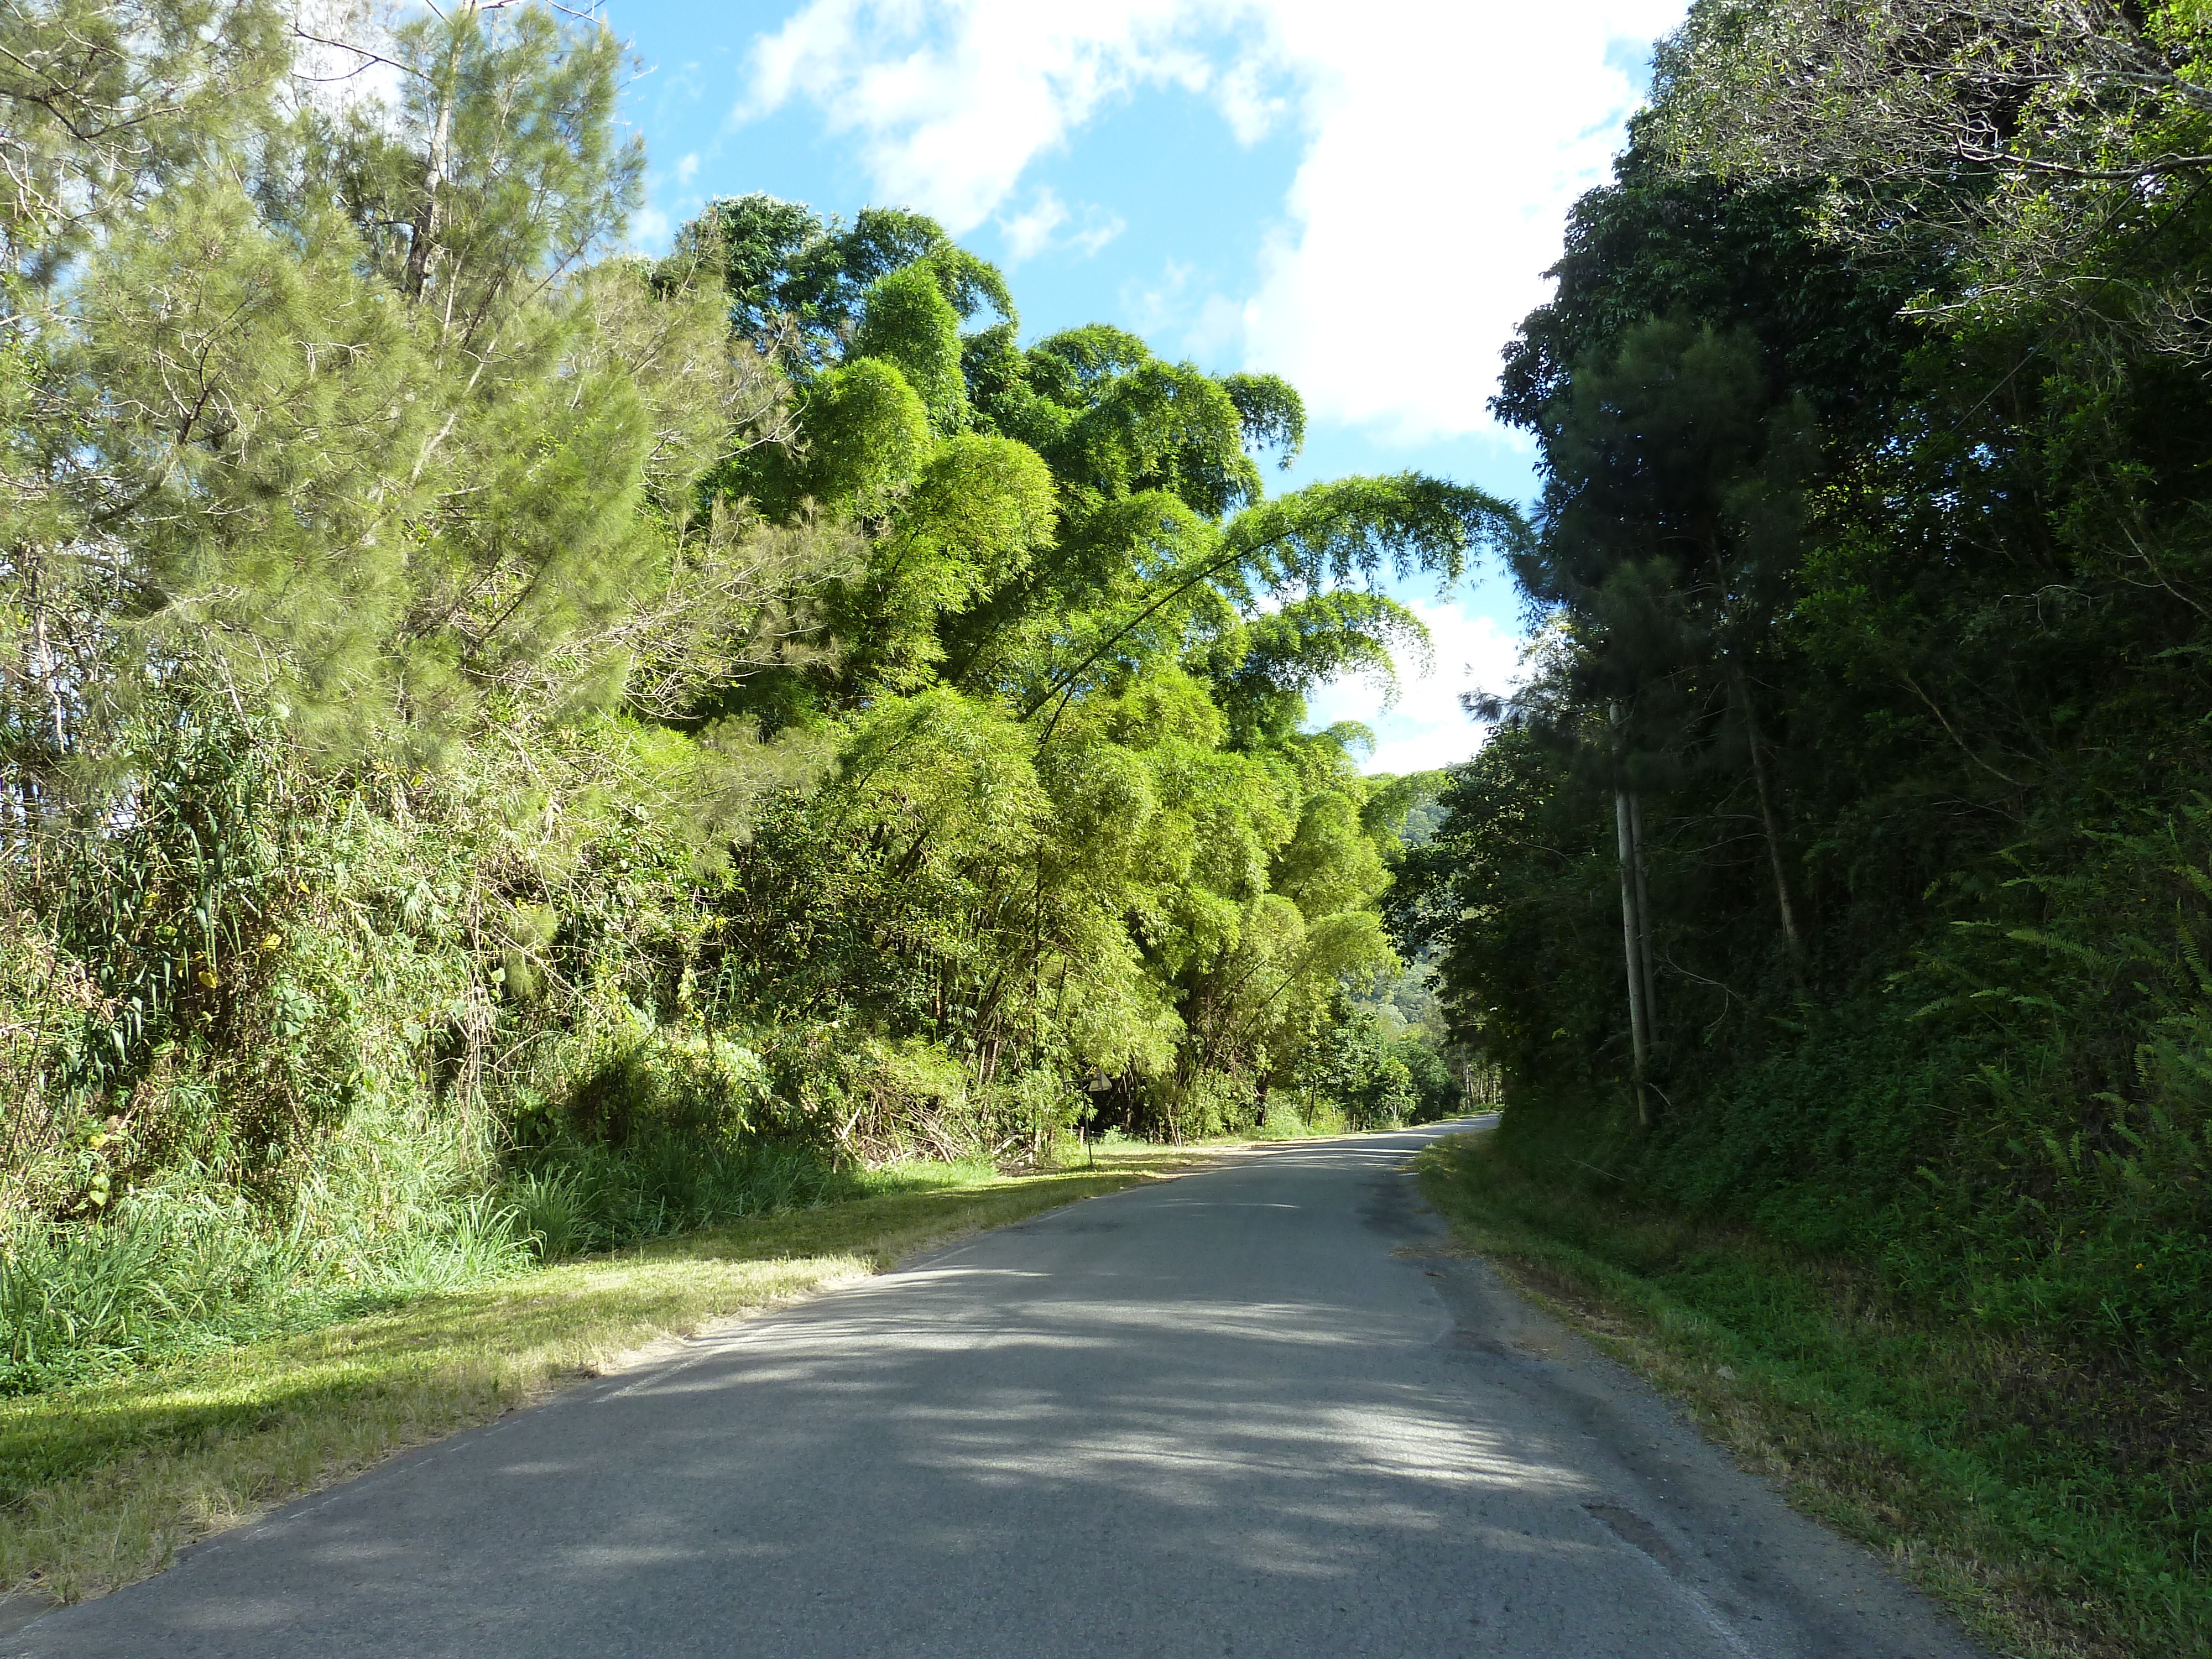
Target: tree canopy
pixel 461 682
pixel 1861 743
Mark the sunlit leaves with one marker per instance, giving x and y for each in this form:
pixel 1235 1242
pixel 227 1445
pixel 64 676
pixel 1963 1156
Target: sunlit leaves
pixel 1364 529
pixel 867 432
pixel 905 320
pixel 103 102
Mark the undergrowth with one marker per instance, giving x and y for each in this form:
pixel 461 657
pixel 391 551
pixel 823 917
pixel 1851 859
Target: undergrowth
pixel 2063 1506
pixel 172 1274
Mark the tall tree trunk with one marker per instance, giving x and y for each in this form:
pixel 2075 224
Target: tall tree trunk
pixel 1644 926
pixel 42 655
pixel 1631 944
pixel 1789 911
pixel 1635 949
pixel 425 224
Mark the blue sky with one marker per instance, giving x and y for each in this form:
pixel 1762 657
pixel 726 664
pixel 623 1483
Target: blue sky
pixel 1360 198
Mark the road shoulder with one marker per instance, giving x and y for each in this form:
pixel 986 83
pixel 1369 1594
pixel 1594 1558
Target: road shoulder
pixel 1837 1453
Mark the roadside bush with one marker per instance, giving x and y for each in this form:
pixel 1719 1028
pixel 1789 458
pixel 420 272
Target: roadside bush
pixel 659 1086
pixel 2012 1129
pixel 1213 1103
pixel 573 1199
pixel 870 1100
pixel 1361 1071
pixel 1033 1111
pixel 1435 1088
pixel 1285 1118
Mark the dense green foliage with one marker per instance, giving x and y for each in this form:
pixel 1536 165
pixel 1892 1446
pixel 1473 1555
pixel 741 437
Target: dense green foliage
pixel 507 747
pixel 1960 1459
pixel 1876 575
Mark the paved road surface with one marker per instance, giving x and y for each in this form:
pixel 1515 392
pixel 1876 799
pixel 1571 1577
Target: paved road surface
pixel 1237 1414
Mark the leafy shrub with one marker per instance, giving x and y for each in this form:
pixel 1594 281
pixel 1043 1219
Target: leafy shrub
pixel 1214 1103
pixel 660 1087
pixel 2014 1127
pixel 1034 1111
pixel 573 1198
pixel 1435 1091
pixel 1361 1071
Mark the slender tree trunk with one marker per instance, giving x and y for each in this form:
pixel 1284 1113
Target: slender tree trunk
pixel 426 217
pixel 1788 910
pixel 1631 951
pixel 1643 923
pixel 1634 950
pixel 42 655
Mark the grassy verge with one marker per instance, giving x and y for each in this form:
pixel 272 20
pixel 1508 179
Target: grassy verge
pixel 1994 1479
pixel 103 1483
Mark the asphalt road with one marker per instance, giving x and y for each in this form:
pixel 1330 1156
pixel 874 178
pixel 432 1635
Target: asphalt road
pixel 1238 1414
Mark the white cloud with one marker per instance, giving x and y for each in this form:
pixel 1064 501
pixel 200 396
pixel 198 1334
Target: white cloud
pixel 1214 328
pixel 1249 101
pixel 1444 140
pixel 1448 143
pixel 1151 306
pixel 949 117
pixel 1099 228
pixel 1035 229
pixel 1029 232
pixel 1427 728
pixel 688 168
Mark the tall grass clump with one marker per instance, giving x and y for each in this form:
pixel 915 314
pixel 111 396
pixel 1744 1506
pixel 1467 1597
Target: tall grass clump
pixel 662 1134
pixel 392 1207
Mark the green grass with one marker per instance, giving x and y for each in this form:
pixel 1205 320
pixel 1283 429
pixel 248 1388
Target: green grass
pixel 101 1483
pixel 2061 1510
pixel 1285 1121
